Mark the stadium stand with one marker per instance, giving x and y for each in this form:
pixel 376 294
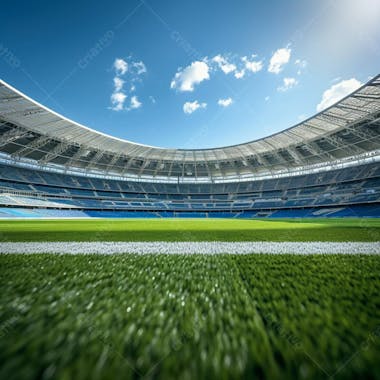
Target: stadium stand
pixel 332 172
pixel 359 185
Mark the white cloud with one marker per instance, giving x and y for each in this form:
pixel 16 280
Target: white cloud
pixel 288 83
pixel 239 74
pixel 191 75
pixel 279 59
pixel 135 103
pixel 337 92
pixel 126 70
pixel 140 67
pixel 120 66
pixel 266 98
pixel 223 64
pixel 240 68
pixel 198 71
pixel 117 100
pixel 190 107
pixel 254 66
pixel 118 84
pixel 301 64
pixel 225 102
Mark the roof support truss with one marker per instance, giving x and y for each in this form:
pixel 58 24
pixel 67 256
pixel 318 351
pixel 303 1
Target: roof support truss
pixel 12 135
pixel 55 152
pixel 33 145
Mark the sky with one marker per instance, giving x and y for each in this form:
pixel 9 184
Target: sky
pixel 189 74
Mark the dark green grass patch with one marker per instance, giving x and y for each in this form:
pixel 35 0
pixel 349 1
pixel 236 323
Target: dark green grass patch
pixel 189 317
pixel 191 230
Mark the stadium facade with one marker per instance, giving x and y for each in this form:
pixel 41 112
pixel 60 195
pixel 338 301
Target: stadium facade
pixel 327 165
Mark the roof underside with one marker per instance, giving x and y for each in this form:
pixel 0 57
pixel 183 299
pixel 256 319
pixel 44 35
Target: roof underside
pixel 30 131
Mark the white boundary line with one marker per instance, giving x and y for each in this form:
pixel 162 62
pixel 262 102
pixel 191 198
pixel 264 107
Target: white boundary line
pixel 215 247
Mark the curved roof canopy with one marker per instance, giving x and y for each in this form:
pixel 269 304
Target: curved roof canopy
pixel 349 128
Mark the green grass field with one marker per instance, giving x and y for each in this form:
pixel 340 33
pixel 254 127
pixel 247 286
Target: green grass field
pixel 190 317
pixel 191 230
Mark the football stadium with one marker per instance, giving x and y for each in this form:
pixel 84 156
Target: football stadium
pixel 258 260
pixel 193 285
pixel 326 166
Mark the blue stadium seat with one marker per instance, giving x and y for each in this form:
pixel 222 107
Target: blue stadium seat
pixel 334 190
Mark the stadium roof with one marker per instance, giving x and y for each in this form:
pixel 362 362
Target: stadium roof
pixel 349 128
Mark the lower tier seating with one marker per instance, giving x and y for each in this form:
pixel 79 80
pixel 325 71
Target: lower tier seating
pixel 22 188
pixel 368 211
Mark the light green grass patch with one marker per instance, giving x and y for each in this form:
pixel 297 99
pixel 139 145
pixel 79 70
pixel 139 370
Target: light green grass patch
pixel 191 230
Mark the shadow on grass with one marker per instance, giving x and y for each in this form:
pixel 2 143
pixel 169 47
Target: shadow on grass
pixel 332 233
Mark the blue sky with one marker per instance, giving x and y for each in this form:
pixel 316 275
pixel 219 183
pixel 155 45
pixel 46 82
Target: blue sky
pixel 188 74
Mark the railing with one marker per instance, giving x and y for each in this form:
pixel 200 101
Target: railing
pixel 364 158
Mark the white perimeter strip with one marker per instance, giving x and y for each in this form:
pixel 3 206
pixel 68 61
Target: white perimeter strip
pixel 215 247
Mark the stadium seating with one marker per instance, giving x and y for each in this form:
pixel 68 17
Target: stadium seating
pixel 369 211
pixel 336 191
